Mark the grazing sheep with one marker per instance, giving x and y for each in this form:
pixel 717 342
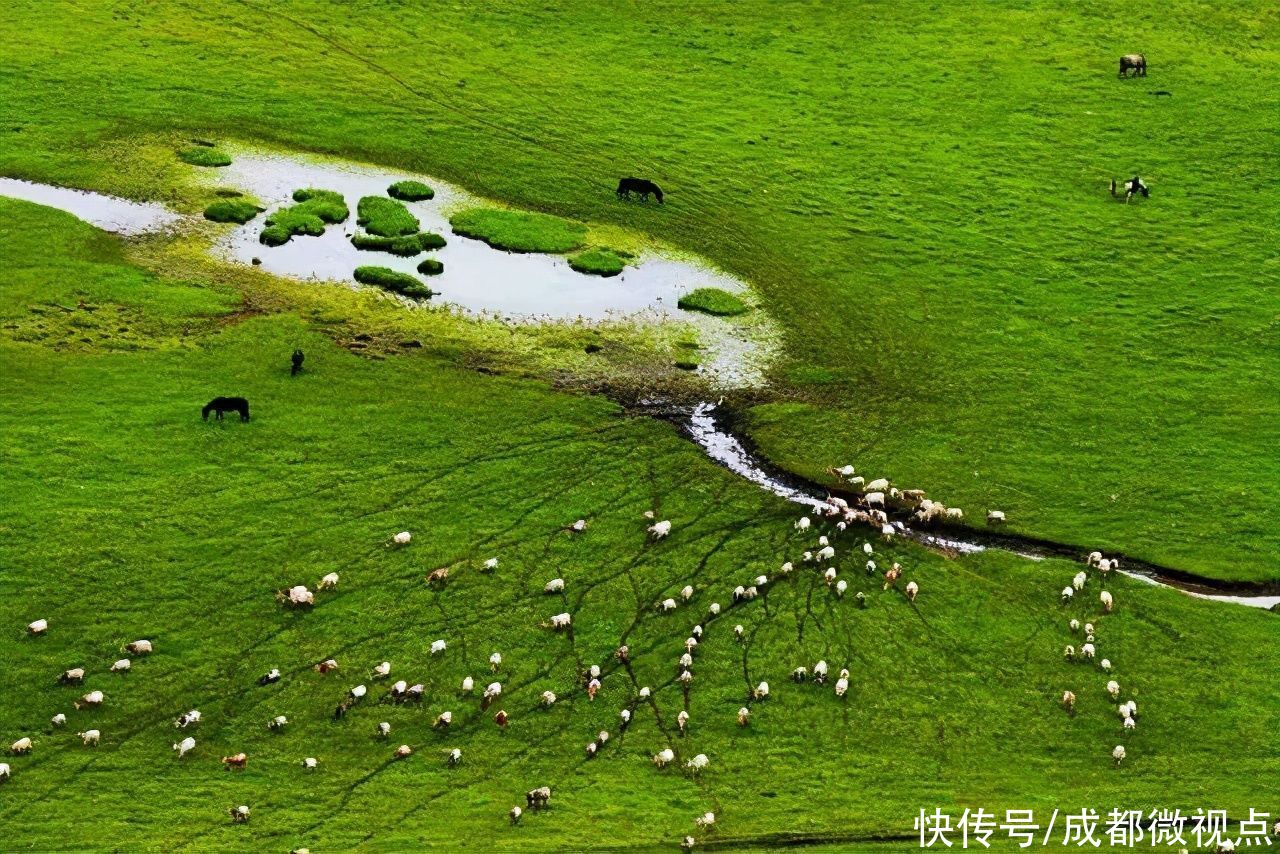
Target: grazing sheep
pixel 913 590
pixel 698 762
pixel 185 746
pixel 1130 723
pixel 690 644
pixel 658 530
pixel 954 513
pixel 384 729
pixel 58 720
pixel 138 647
pixel 437 577
pixel 644 693
pixel 667 605
pixel 358 692
pixel 327 665
pixel 705 820
pixel 1105 664
pixel 1118 753
pixel 685 660
pixel 1069 700
pixel 402 539
pixel 807 557
pixel 121 666
pixel 1067 594
pixel 786 568
pixel 682 721
pixel 403 751
pixel 1129 709
pixel 738 631
pixel 1113 688
pixel 238 762
pixel 744 715
pixel 880 484
pixel 826 553
pixel 495 661
pixel 22 746
pixel 455 757
pixel 272 675
pixel 579 526
pixel 310 763
pixel 739 593
pixel 874 499
pixel 1069 652
pixel 555 585
pixel 1093 558
pixel 468 684
pixel 239 814
pixel 829 576
pixel 381 670
pixel 623 653
pixel 593 687
pixel 1105 599
pixel 802 524
pixel 277 723
pixel 515 813
pixel 548 699
pixel 843 471
pixel 841 587
pixel 561 621
pixel 538 798
pixel 624 718
pixel 491 564
pixel 688 842
pixel 74 676
pixel 1079 580
pixel 842 684
pixel 762 580
pixel 1074 625
pixel 662 757
pixel 696 632
pixel 799 674
pixel 761 691
pixel 1087 650
pixel 91 700
pixel 398 689
pixel 493 691
pixel 1088 629
pixel 90 736
pixel 823 541
pixel 438 646
pixel 714 609
pixel 1105 566
pixel 443 720
pixel 4 771
pixel 861 599
pixel 685 677
pixel 38 627
pixel 329 582
pixel 299 595
pixel 820 672
pixel 995 517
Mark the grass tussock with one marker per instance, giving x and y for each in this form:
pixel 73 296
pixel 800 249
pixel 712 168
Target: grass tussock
pixel 406 245
pixel 385 217
pixel 598 262
pixel 430 267
pixel 713 301
pixel 410 191
pixel 203 155
pixel 519 231
pixel 314 210
pixel 393 280
pixel 232 210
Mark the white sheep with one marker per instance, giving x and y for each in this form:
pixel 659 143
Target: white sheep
pixel 658 530
pixel 823 541
pixel 515 813
pixel 138 647
pixel 690 643
pixel 402 539
pixel 495 661
pixel 682 720
pixel 1113 688
pixel 185 746
pixel 685 677
pixel 867 549
pixel 1106 600
pixel 443 720
pixel 954 513
pixel 874 499
pixel 714 609
pixel 187 719
pixel 1088 628
pixel 705 820
pixel 820 672
pixel 826 553
pixel 239 814
pixel 880 484
pixel 842 685
pixel 310 763
pixel 277 723
pixel 493 691
pixel 1079 580
pixel 761 691
pixel 1105 664
pixel 21 746
pixel 455 757
pixel 624 718
pixel 91 700
pixel 382 669
pixel 121 666
pixel 1130 723
pixel 667 605
pixel 1067 593
pixel 1093 558
pixel 762 580
pixel 1069 652
pixel 548 699
pixel 384 728
pixel 579 526
pixel 744 715
pixel 995 517
pixel 4 771
pixel 698 762
pixel 802 524
pixel 845 471
pixel 1087 650
pixel 830 575
pixel 58 720
pixel 1105 565
pixel 662 757
pixel 912 590
pixel 468 684
pixel 491 563
pixel 1074 625
pixel 686 660
pixel 90 736
pixel 1118 753
pixel 786 568
pixel 438 646
pixel 800 674
pixel 696 632
pixel 738 631
pixel 561 621
pixel 644 693
pixel 300 595
pixel 841 587
pixel 329 582
pixel 1069 700
pixel 38 627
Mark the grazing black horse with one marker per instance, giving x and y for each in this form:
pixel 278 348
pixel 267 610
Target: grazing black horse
pixel 296 358
pixel 220 405
pixel 627 186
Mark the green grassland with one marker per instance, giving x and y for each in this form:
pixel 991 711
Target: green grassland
pixel 918 191
pixel 519 231
pixel 137 519
pixel 713 301
pixel 392 280
pixel 598 262
pixel 314 209
pixel 410 191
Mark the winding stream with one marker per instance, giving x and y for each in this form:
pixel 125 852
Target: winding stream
pixel 702 426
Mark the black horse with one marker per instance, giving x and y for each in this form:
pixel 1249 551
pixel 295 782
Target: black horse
pixel 296 358
pixel 627 186
pixel 220 405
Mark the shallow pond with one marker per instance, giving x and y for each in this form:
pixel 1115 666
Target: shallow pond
pixel 118 216
pixel 476 277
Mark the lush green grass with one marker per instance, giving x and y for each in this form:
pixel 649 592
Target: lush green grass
pixel 392 280
pixel 232 210
pixel 713 301
pixel 410 191
pixel 430 267
pixel 385 217
pixel 598 262
pixel 407 244
pixel 203 155
pixel 936 236
pixel 136 519
pixel 314 209
pixel 519 231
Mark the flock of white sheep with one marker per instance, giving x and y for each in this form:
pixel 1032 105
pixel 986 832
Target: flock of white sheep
pixel 868 508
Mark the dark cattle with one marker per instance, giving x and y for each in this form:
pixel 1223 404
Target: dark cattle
pixel 645 188
pixel 1135 62
pixel 220 405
